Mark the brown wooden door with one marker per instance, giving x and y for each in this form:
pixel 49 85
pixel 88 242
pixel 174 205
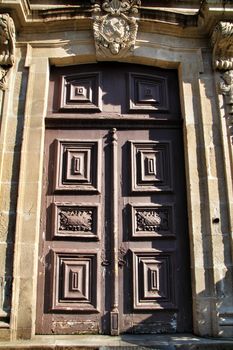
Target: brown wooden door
pixel 114 240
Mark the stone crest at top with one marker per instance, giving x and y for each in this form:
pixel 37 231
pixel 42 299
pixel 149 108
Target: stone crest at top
pixel 115 27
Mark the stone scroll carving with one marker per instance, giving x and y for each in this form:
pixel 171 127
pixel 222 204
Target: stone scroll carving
pixel 115 27
pixel 222 42
pixel 7 47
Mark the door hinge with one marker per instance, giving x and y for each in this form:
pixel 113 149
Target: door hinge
pixel 122 256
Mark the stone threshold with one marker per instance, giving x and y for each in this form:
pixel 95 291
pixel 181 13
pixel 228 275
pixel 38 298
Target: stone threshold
pixel 123 342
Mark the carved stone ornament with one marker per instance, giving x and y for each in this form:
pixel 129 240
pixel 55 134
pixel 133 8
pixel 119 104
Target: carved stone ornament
pixel 7 47
pixel 226 88
pixel 75 220
pixel 222 42
pixel 115 27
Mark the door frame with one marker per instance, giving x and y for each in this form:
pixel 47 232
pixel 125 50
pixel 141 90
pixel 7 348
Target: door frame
pixel 189 64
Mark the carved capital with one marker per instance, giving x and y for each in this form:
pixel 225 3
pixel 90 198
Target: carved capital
pixel 222 42
pixel 115 27
pixel 7 47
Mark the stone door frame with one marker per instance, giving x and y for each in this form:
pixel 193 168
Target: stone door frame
pixel 199 114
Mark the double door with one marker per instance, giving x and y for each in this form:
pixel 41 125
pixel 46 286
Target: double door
pixel 114 243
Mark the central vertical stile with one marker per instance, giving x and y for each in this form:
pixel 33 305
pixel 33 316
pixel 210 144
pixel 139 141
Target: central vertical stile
pixel 115 233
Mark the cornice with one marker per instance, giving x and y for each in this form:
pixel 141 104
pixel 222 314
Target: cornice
pixel 27 15
pixel 212 12
pixel 190 18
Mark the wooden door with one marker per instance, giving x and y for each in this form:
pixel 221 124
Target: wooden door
pixel 114 241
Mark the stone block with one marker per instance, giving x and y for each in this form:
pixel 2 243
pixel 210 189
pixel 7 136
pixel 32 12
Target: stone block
pixel 27 258
pixel 9 192
pixel 203 316
pixel 32 173
pixel 7 226
pixel 10 167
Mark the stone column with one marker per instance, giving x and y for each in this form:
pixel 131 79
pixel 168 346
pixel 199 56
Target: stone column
pixel 7 58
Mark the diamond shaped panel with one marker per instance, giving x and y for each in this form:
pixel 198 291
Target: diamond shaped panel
pixel 148 92
pixel 80 92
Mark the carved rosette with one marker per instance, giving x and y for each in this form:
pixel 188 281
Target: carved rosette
pixel 7 47
pixel 115 27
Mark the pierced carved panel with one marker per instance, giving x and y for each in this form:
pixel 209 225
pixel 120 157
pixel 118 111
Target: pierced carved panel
pixel 152 221
pixel 75 221
pixel 75 281
pixel 81 92
pixel 151 166
pixel 153 280
pixel 77 165
pixel 148 93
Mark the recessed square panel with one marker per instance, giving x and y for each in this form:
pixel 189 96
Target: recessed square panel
pixel 151 166
pixel 150 221
pixel 80 92
pixel 77 165
pixel 75 221
pixel 75 281
pixel 153 280
pixel 148 92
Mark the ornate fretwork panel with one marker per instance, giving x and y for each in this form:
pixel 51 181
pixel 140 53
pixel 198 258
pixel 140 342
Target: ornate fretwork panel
pixel 152 221
pixel 75 221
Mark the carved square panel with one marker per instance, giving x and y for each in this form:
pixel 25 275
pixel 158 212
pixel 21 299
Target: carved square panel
pixel 150 221
pixel 75 221
pixel 80 92
pixel 153 280
pixel 77 165
pixel 148 92
pixel 75 281
pixel 151 166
